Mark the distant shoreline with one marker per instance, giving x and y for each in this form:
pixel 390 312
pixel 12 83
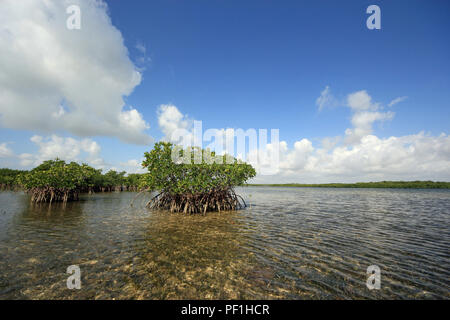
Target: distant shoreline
pixel 380 184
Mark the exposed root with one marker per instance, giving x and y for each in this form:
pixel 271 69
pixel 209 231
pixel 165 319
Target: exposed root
pixel 140 192
pixel 189 203
pixel 50 195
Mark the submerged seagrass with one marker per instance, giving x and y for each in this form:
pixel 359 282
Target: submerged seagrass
pixel 196 184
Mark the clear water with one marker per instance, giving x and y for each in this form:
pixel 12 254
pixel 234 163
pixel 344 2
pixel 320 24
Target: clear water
pixel 291 243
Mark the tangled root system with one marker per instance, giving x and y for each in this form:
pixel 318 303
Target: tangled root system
pixel 190 203
pixel 39 195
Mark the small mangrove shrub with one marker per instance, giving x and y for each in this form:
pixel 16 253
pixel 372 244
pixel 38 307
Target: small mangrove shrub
pixel 56 180
pixel 193 186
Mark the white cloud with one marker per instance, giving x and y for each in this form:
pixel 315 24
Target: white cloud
pixel 141 47
pixel 361 101
pixel 361 156
pixel 53 78
pixel 174 124
pixel 142 60
pixel 329 142
pixel 66 148
pixel 183 130
pixel 131 163
pixel 362 124
pixel 326 99
pixel 58 114
pixel 5 151
pixel 397 100
pixel 365 113
pixel 132 120
pixel 132 166
pixel 412 157
pixel 367 158
pixel 364 156
pixel 27 160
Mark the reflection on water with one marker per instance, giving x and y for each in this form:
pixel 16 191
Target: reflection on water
pixel 293 243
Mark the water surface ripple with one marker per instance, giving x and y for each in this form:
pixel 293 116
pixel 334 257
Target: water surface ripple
pixel 291 243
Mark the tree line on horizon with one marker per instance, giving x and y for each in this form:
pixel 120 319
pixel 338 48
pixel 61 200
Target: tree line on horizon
pixel 379 184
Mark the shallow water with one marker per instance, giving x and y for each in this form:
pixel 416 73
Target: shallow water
pixel 291 243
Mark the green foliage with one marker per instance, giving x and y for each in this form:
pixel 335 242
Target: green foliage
pixel 57 174
pixel 178 178
pixel 68 176
pixel 113 178
pixel 133 181
pixel 56 180
pixel 196 184
pixel 8 178
pixel 95 179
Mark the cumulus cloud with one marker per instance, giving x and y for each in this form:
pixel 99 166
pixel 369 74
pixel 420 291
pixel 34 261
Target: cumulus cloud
pixel 180 129
pixel 361 101
pixel 132 166
pixel 177 127
pixel 53 78
pixel 365 113
pixel 359 156
pixel 362 124
pixel 362 156
pixel 5 151
pixel 66 148
pixel 412 157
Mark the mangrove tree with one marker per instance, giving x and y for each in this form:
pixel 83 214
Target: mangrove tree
pixel 196 185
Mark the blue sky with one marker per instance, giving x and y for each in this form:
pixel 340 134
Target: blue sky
pixel 263 64
pixel 260 64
